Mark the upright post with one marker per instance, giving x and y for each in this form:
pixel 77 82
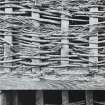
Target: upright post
pixel 36 24
pixel 39 97
pixel 89 97
pixel 64 50
pixel 93 43
pixel 8 38
pixel 65 97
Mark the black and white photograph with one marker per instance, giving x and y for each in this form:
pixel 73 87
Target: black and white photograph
pixel 52 52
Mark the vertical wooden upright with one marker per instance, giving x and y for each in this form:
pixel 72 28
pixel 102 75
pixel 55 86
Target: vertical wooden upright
pixel 65 47
pixel 8 38
pixel 39 93
pixel 65 50
pixel 1 98
pixel 89 97
pixel 65 97
pixel 36 25
pixel 15 98
pixel 93 44
pixel 39 97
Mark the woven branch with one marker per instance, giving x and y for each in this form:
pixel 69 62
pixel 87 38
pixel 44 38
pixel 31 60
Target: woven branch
pixel 44 42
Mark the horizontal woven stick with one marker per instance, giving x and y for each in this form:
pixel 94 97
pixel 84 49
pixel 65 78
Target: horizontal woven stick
pixel 88 47
pixel 10 61
pixel 11 6
pixel 13 67
pixel 71 60
pixel 51 58
pixel 97 102
pixel 35 57
pixel 37 11
pixel 67 56
pixel 47 21
pixel 13 13
pixel 73 44
pixel 91 6
pixel 78 103
pixel 72 65
pixel 24 45
pixel 58 18
pixel 94 16
pixel 33 40
pixel 9 2
pixel 39 64
pixel 59 12
pixel 63 66
pixel 5 30
pixel 89 13
pixel 44 52
pixel 12 55
pixel 86 55
pixel 13 2
pixel 29 45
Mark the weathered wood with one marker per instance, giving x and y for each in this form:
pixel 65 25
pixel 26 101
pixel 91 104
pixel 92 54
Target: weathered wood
pixel 65 97
pixel 39 97
pixel 64 29
pixel 93 54
pixel 92 40
pixel 36 25
pixel 89 97
pixel 8 38
pixel 15 98
pixel 3 98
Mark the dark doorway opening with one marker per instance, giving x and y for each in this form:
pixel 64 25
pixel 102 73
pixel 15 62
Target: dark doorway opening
pixel 26 97
pixel 52 97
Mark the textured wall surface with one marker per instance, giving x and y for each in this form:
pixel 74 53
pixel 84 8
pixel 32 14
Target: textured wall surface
pixel 52 44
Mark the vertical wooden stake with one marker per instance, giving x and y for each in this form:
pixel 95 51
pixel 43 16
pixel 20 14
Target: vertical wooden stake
pixel 36 25
pixel 64 29
pixel 89 97
pixel 8 38
pixel 39 97
pixel 65 97
pixel 92 41
pixel 2 98
pixel 93 52
pixel 64 51
pixel 15 96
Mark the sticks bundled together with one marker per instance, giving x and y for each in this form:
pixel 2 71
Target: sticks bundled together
pixel 60 38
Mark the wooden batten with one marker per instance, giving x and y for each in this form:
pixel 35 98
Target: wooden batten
pixel 39 97
pixel 36 16
pixel 16 100
pixel 92 42
pixel 64 50
pixel 64 29
pixel 3 98
pixel 89 97
pixel 65 97
pixel 8 38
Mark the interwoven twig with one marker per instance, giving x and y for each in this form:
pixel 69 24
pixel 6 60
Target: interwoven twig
pixel 22 28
